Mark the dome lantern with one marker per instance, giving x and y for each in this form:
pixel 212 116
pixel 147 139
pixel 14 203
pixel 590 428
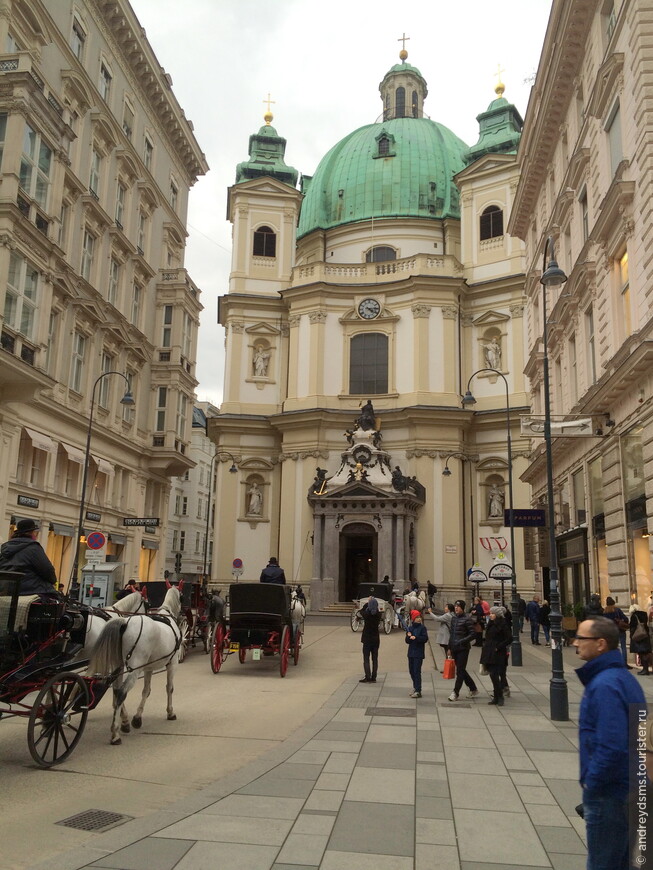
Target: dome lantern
pixel 403 89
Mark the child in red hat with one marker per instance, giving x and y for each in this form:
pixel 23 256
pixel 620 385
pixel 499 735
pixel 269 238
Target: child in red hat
pixel 416 638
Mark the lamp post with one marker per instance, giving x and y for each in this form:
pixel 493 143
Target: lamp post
pixel 127 400
pixel 552 276
pixel 446 472
pixel 468 399
pixel 232 470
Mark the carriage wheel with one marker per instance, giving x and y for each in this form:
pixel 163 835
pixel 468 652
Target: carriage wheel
pixel 242 654
pixel 184 629
pixel 298 643
pixel 356 621
pixel 388 619
pixel 217 647
pixel 57 719
pixel 284 651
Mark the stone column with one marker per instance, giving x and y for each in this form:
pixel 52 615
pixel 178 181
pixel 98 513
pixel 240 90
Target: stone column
pixel 400 549
pixel 615 533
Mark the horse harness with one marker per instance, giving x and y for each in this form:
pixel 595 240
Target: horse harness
pixel 156 617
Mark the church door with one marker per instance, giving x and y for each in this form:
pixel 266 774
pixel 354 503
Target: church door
pixel 358 559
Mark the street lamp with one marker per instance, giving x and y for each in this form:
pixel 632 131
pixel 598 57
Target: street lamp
pixel 552 276
pixel 127 400
pixel 232 470
pixel 468 399
pixel 446 472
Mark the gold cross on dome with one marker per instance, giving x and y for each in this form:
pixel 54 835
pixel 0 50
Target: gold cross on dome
pixel 404 39
pixel 268 101
pixel 498 73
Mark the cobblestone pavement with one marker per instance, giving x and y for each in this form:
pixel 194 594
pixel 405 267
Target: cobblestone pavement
pixel 377 780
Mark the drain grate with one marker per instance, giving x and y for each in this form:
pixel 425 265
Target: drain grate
pixel 400 712
pixel 95 820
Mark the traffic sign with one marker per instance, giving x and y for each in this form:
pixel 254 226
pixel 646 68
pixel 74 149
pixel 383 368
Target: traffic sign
pixel 500 571
pixel 476 576
pixel 237 563
pixel 95 541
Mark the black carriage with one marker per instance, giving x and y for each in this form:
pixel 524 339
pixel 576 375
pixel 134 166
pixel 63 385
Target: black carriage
pixel 38 679
pixel 259 620
pixel 384 594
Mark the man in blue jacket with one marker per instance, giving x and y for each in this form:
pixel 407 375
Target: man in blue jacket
pixel 612 704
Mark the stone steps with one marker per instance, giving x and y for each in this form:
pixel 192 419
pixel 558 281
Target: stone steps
pixel 339 608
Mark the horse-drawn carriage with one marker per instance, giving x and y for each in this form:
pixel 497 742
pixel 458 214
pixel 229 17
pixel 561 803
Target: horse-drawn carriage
pixel 195 622
pixel 384 594
pixel 38 671
pixel 260 620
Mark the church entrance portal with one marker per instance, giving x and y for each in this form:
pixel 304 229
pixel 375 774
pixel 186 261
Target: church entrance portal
pixel 358 559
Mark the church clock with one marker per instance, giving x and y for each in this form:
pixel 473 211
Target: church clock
pixel 369 309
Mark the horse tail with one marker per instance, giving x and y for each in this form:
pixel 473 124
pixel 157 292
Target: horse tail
pixel 107 656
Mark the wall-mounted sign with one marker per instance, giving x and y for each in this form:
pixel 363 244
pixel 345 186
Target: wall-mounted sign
pixel 94 518
pixel 140 521
pixel 27 501
pixel 450 548
pixel 524 517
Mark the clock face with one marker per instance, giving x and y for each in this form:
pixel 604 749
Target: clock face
pixel 369 308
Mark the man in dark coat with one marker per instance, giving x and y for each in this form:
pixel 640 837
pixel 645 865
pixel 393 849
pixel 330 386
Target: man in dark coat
pixel 461 637
pixel 370 639
pixel 532 615
pixel 272 573
pixel 23 553
pixel 594 608
pixel 416 638
pixel 498 638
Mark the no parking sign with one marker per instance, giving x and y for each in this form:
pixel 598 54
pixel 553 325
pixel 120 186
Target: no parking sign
pixel 95 541
pixel 237 567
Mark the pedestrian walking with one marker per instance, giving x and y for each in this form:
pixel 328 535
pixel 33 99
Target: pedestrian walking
pixel 462 635
pixel 273 573
pixel 532 616
pixel 370 639
pixel 545 621
pixel 431 590
pixel 478 618
pixel 444 628
pixel 620 619
pixel 498 638
pixel 416 638
pixel 612 703
pixel 521 610
pixel 593 608
pixel 23 553
pixel 640 639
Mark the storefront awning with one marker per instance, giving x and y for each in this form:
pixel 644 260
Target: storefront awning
pixel 121 540
pixel 149 545
pixel 103 466
pixel 41 442
pixel 74 453
pixel 64 531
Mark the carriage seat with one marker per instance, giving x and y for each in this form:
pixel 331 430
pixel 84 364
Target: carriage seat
pixel 259 604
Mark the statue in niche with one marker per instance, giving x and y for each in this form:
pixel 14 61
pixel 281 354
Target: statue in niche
pixel 493 354
pixel 496 500
pixel 255 500
pixel 261 361
pixel 367 419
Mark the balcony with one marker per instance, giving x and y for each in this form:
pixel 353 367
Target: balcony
pixel 19 377
pixel 168 455
pixel 389 271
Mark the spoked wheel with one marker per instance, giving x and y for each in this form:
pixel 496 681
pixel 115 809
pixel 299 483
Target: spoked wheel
pixel 298 643
pixel 284 651
pixel 57 719
pixel 388 620
pixel 242 654
pixel 356 621
pixel 218 654
pixel 183 646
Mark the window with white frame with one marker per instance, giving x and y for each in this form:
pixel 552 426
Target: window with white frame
pixel 584 214
pixel 590 339
pixel 53 340
pixel 200 506
pixel 12 45
pixel 161 404
pixel 35 166
pixel 184 505
pixel 174 193
pixel 148 153
pixel 557 386
pixel 94 175
pixel 128 120
pixel 88 250
pixel 175 539
pixel 187 335
pixel 129 411
pixel 37 466
pixel 121 194
pixel 63 225
pixel 198 538
pixel 182 541
pixel 77 362
pixel 573 371
pixel 105 82
pixel 142 232
pixel 104 394
pixel 182 405
pixel 178 504
pixel 21 300
pixel 113 291
pixel 78 39
pixel 624 290
pixel 137 297
pixel 3 133
pixel 166 338
pixel 613 130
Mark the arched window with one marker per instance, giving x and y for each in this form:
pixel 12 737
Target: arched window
pixel 380 254
pixel 368 364
pixel 265 242
pixel 400 103
pixel 384 146
pixel 491 222
pixel 414 104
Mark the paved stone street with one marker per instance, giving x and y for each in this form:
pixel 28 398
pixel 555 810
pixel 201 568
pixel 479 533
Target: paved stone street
pixel 381 781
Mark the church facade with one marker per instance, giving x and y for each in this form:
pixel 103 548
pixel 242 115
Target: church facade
pixel 362 306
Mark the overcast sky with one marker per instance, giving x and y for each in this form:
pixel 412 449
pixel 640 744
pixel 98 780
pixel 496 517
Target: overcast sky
pixel 322 64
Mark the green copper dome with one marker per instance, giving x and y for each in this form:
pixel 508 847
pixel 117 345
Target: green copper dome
pixel 402 167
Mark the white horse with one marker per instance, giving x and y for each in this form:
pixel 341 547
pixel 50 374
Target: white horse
pixel 140 643
pixel 297 611
pixel 98 617
pixel 414 601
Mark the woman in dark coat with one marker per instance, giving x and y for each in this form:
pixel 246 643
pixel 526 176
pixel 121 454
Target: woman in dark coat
pixel 370 639
pixel 545 621
pixel 498 638
pixel 640 646
pixel 478 617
